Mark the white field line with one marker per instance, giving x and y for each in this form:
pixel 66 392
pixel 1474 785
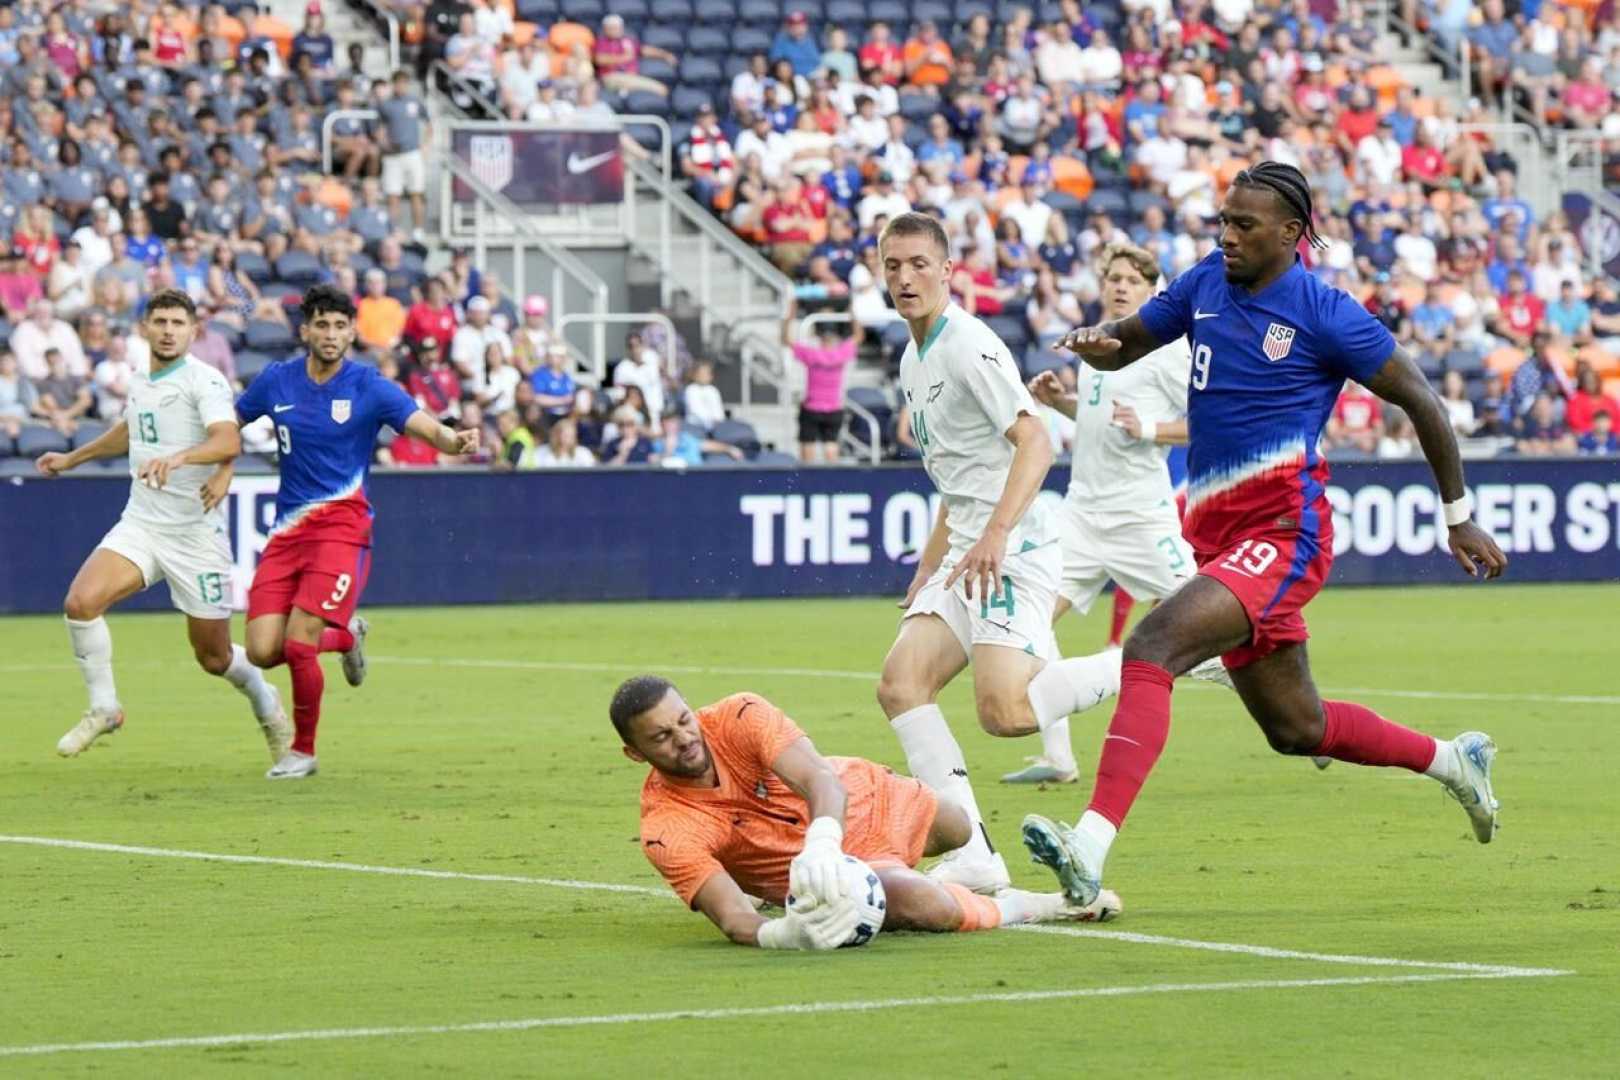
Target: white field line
pixel 587 667
pixel 1264 951
pixel 797 1009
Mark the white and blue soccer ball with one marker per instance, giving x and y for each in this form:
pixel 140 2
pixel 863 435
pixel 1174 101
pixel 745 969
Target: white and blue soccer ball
pixel 864 888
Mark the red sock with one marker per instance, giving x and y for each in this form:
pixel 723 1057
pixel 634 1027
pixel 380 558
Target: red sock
pixel 1123 602
pixel 1136 738
pixel 336 639
pixel 1356 734
pixel 304 662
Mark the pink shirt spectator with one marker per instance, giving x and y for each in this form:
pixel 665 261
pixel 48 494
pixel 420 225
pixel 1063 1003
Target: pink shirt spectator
pixel 824 371
pixel 620 55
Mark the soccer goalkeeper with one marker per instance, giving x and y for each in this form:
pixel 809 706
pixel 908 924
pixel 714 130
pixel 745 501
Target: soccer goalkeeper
pixel 739 802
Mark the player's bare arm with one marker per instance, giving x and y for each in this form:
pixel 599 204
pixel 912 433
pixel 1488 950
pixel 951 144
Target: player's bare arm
pixel 1032 460
pixel 729 908
pixel 1401 383
pixel 1160 432
pixel 816 870
pixel 1047 389
pixel 1111 345
pixel 933 554
pixel 446 439
pixel 218 486
pixel 224 443
pixel 114 442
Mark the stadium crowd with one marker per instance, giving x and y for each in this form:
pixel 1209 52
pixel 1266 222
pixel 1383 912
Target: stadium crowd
pixel 170 145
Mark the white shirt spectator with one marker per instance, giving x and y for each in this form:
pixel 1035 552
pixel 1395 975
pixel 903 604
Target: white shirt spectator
pixel 1378 160
pixel 1419 254
pixel 1100 65
pixel 748 91
pixel 1163 157
pixel 1022 115
pixel 1192 191
pixel 549 112
pixel 1548 277
pixel 875 204
pixel 469 350
pixel 848 93
pixel 1059 62
pixel 492 22
pixel 1159 8
pixel 815 145
pixel 112 387
pixel 773 151
pixel 899 161
pixel 703 404
pixel 1032 219
pixel 1461 415
pixel 1230 15
pixel 29 341
pixel 643 372
pixel 521 81
pixel 95 250
pixel 866 134
pixel 69 286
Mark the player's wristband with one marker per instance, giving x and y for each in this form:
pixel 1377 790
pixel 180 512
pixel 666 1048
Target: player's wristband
pixel 1458 512
pixel 1150 431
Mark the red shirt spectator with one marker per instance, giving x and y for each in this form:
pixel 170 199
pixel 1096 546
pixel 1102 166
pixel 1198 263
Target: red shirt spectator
pixel 436 388
pixel 1425 164
pixel 882 53
pixel 168 46
pixel 428 318
pixel 408 451
pixel 985 301
pixel 1523 312
pixel 815 201
pixel 1357 124
pixel 785 221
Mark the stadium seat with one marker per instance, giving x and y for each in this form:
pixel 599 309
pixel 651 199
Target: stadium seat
pixel 232 336
pixel 264 336
pixel 749 40
pixel 847 13
pixel 664 36
pixel 250 363
pixel 811 9
pixel 895 337
pixel 715 457
pixel 1465 361
pixel 538 11
pixel 299 268
pixel 917 106
pixel 876 402
pixel 775 459
pixel 641 102
pixel 589 12
pixel 281 290
pixel 35 440
pixel 8 445
pixel 1110 201
pixel 966 9
pixel 17 466
pixel 687 100
pixel 701 71
pixel 674 12
pixel 88 431
pixel 255 266
pixel 632 11
pixel 715 13
pixel 939 12
pixel 1011 329
pixel 890 11
pixel 736 64
pixel 708 41
pixel 738 433
pixel 662 70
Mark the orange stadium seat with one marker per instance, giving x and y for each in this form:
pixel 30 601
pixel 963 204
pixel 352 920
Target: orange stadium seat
pixel 1504 361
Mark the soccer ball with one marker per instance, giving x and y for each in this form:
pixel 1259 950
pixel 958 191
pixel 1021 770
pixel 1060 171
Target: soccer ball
pixel 861 885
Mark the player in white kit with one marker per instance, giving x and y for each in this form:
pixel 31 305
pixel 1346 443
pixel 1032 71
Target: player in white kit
pixel 988 578
pixel 180 423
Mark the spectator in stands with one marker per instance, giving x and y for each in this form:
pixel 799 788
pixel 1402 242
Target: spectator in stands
pixel 233 296
pixel 631 446
pixel 472 58
pixel 1602 438
pixel 42 332
pixel 17 396
pixel 927 56
pixel 1543 432
pixel 1569 316
pixel 433 382
pixel 821 413
pixel 794 44
pixel 1539 376
pixel 534 336
pixel 788 221
pixel 62 398
pixel 501 380
pixel 554 386
pixel 1588 400
pixel 471 343
pixel 974 283
pixel 314 42
pixel 562 449
pixel 1522 312
pixel 1459 409
pixel 701 398
pixel 618 59
pixel 211 346
pixel 19 287
pixel 706 158
pixel 679 448
pixel 380 319
pixel 517 443
pixel 639 371
pixel 1357 422
pixel 1399 439
pixel 401 134
pixel 836 59
pixel 432 316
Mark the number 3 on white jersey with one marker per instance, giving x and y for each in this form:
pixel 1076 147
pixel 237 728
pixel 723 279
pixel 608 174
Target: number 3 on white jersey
pixel 1202 358
pixel 1251 557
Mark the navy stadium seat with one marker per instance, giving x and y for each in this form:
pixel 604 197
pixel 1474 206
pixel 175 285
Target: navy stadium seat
pixel 1467 361
pixel 250 363
pixel 299 268
pixel 687 100
pixel 936 11
pixel 892 12
pixel 760 13
pixel 775 459
pixel 672 38
pixel 88 431
pixel 632 10
pixel 34 440
pixel 589 12
pixel 708 41
pixel 1011 329
pixel 847 13
pixel 966 9
pixel 8 445
pixel 537 11
pixel 1108 201
pixel 662 70
pixel 917 106
pixel 674 12
pixel 268 337
pixel 749 40
pixel 721 13
pixel 738 433
pixel 640 102
pixel 255 266
pixel 700 70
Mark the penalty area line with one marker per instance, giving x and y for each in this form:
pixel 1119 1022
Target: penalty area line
pixel 1125 936
pixel 795 1009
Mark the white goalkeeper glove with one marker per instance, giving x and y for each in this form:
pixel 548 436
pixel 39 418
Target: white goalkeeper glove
pixel 823 927
pixel 815 873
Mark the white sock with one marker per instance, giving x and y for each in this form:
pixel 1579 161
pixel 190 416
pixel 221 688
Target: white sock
pixel 1096 835
pixel 1018 907
pixel 1055 744
pixel 1445 767
pixel 934 758
pixel 250 680
pixel 92 648
pixel 1064 687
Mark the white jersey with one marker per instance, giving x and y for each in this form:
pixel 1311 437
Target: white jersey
pixel 166 415
pixel 964 391
pixel 1112 471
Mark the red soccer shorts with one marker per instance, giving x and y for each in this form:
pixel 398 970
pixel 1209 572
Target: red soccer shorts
pixel 1273 575
pixel 322 577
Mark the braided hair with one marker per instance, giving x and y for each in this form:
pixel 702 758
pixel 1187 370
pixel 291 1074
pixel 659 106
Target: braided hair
pixel 1289 185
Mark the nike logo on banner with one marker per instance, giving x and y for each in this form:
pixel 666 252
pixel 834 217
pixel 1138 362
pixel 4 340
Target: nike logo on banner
pixel 577 164
pixel 1205 315
pixel 281 408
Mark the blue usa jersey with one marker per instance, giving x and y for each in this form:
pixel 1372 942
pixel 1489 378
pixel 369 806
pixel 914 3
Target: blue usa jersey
pixel 326 433
pixel 1266 371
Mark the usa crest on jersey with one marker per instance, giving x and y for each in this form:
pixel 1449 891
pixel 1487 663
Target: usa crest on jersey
pixel 341 407
pixel 1279 340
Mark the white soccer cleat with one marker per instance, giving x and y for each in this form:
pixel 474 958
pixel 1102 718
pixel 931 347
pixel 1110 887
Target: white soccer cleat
pixel 976 874
pixel 91 726
pixel 1042 770
pixel 1475 754
pixel 1105 908
pixel 1058 848
pixel 354 661
pixel 292 766
pixel 1212 671
pixel 278 731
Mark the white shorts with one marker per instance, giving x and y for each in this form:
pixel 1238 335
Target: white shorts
pixel 1019 618
pixel 195 560
pixel 1141 550
pixel 402 173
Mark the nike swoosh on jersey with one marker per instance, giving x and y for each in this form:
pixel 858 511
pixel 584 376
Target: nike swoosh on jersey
pixel 577 164
pixel 281 408
pixel 1205 315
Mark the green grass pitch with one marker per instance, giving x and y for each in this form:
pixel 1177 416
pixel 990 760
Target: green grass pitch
pixel 480 745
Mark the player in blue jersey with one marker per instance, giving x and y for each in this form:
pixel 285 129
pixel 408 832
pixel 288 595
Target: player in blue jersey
pixel 327 411
pixel 1272 347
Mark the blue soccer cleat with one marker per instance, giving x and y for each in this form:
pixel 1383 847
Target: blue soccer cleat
pixel 1057 847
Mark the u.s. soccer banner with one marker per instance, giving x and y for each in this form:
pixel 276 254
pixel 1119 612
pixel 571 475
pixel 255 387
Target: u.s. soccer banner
pixel 550 167
pixel 637 534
